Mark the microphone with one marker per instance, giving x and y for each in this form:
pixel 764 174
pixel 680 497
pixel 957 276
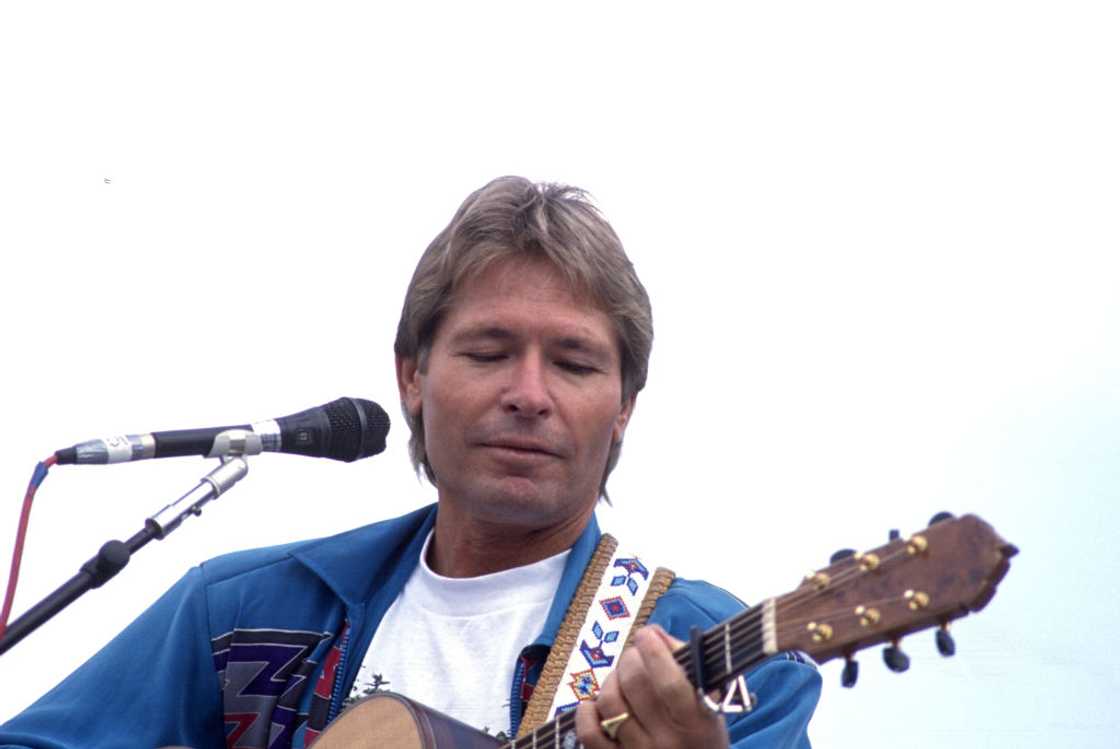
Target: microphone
pixel 345 429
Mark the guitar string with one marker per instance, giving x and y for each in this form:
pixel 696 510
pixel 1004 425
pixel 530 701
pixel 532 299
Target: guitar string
pixel 748 647
pixel 794 601
pixel 547 732
pixel 752 642
pixel 789 624
pixel 565 722
pixel 805 594
pixel 744 633
pixel 745 629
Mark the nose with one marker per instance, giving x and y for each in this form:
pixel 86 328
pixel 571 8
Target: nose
pixel 527 392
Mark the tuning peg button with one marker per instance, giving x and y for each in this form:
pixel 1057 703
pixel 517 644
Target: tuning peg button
pixel 841 554
pixel 895 659
pixel 945 643
pixel 850 673
pixel 943 515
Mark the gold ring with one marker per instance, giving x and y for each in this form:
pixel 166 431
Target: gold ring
pixel 610 726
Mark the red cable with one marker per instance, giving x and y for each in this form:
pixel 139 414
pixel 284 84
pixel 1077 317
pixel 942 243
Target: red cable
pixel 17 553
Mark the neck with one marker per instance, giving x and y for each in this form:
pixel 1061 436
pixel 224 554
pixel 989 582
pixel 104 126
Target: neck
pixel 465 546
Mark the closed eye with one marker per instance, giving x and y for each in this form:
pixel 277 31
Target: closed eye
pixel 483 358
pixel 574 368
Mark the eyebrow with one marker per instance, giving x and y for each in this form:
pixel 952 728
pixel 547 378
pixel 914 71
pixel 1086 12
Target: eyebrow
pixel 483 332
pixel 582 345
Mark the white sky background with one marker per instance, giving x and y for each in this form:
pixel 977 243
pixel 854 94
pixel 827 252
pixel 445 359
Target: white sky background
pixel 880 240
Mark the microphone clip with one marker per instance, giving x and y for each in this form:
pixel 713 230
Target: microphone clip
pixel 231 447
pixel 234 443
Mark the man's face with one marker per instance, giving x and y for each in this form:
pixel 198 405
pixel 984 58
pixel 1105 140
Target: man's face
pixel 521 398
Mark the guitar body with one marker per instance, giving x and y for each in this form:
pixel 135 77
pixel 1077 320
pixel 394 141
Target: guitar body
pixel 391 720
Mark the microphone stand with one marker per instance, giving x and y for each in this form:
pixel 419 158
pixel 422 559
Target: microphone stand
pixel 230 446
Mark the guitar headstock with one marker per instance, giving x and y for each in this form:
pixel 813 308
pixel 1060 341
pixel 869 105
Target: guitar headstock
pixel 910 584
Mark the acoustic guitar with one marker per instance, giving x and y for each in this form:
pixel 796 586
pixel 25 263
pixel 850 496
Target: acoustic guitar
pixel 927 580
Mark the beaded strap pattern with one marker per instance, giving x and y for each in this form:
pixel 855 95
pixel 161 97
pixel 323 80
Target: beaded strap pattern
pixel 614 599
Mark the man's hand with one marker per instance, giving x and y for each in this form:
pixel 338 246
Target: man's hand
pixel 663 706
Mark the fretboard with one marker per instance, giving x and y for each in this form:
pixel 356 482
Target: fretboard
pixel 726 650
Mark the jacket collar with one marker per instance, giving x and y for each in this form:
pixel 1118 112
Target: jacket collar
pixel 577 562
pixel 377 560
pixel 373 559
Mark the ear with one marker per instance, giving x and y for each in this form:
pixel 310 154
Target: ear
pixel 408 383
pixel 623 419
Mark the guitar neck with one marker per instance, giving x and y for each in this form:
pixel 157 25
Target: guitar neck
pixel 940 574
pixel 731 647
pixel 725 650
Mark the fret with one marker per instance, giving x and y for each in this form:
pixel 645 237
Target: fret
pixel 570 741
pixel 734 645
pixel 769 628
pixel 727 647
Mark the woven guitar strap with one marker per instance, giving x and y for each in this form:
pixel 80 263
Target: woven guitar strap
pixel 614 599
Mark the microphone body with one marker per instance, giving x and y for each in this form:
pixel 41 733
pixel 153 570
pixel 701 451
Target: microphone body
pixel 345 429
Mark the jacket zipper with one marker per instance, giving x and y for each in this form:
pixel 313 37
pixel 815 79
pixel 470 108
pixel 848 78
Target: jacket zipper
pixel 515 697
pixel 339 676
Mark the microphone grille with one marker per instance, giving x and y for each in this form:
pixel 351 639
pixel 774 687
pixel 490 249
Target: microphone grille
pixel 358 428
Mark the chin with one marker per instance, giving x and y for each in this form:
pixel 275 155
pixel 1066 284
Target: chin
pixel 521 502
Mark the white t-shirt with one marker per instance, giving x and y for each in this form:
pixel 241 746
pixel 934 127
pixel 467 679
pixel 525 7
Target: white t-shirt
pixel 452 643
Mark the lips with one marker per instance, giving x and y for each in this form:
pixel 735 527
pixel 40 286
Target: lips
pixel 522 446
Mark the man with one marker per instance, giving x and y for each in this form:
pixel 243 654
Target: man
pixel 522 345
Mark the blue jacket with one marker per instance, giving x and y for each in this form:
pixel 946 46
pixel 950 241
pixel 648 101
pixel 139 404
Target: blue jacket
pixel 259 649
